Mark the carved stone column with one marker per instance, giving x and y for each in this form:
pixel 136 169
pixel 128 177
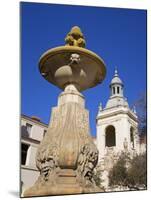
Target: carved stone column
pixel 67 156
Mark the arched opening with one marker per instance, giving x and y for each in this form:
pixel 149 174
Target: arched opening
pixel 110 138
pixel 118 90
pixel 132 137
pixel 113 90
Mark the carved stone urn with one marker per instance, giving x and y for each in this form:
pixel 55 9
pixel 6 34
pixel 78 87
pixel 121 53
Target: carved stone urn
pixel 67 156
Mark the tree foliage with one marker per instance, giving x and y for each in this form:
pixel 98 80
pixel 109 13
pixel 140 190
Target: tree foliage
pixel 141 108
pixel 118 174
pixel 97 177
pixel 137 173
pixel 129 172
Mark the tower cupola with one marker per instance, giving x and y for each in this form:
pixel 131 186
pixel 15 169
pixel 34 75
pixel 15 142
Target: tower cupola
pixel 116 85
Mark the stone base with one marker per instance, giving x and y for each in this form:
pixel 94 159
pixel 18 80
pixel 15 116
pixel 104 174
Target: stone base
pixel 65 183
pixel 60 189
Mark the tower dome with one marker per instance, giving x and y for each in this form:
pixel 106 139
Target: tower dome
pixel 116 85
pixel 116 92
pixel 116 79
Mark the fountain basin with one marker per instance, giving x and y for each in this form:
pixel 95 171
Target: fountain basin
pixel 55 67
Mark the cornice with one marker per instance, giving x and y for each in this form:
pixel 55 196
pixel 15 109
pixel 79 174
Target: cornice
pixel 34 121
pixel 117 112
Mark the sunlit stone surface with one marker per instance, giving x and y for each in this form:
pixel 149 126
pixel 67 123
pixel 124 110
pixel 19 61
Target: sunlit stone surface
pixel 67 156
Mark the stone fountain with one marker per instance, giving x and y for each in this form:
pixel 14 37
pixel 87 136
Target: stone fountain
pixel 67 156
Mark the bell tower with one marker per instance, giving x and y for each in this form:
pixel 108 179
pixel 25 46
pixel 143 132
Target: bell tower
pixel 117 124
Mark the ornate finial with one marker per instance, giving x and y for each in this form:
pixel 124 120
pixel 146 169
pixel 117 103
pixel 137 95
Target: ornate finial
pixel 100 108
pixel 116 72
pixel 134 109
pixel 75 38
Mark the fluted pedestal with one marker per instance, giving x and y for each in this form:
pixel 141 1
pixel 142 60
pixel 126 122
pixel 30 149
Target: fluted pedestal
pixel 67 155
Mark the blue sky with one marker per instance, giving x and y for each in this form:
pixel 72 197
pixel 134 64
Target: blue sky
pixel 117 35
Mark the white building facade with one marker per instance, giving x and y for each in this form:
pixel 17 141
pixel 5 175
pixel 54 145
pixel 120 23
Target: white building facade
pixel 32 132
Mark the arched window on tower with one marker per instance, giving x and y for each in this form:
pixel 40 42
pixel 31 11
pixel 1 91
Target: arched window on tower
pixel 132 137
pixel 110 137
pixel 118 90
pixel 113 90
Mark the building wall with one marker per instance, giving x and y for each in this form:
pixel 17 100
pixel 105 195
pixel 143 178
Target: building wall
pixel 37 129
pixel 31 155
pixel 142 148
pixel 32 138
pixel 28 176
pixel 122 124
